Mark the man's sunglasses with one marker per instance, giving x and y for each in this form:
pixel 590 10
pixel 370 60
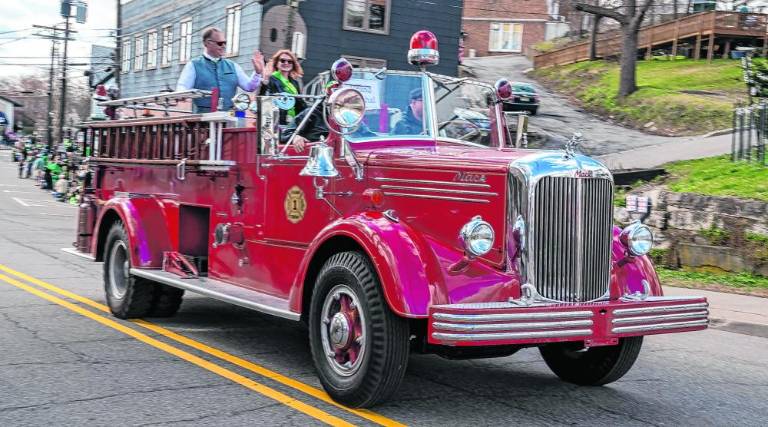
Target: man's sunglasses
pixel 285 61
pixel 220 44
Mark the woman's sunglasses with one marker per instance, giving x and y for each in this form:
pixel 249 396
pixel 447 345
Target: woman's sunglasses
pixel 220 44
pixel 285 61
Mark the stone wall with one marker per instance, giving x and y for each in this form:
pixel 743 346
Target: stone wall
pixel 706 232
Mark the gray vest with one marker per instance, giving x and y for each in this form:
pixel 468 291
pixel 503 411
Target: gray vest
pixel 209 75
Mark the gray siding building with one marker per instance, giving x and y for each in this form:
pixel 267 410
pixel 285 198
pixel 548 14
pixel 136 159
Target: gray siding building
pixel 160 36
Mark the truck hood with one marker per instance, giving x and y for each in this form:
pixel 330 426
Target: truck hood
pixel 440 157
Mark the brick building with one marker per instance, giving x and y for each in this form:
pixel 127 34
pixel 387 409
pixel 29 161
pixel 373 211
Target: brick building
pixel 503 27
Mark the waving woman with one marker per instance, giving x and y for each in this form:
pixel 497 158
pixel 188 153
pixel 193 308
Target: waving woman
pixel 286 70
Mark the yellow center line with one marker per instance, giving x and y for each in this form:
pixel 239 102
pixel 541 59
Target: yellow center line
pixel 191 358
pixel 253 367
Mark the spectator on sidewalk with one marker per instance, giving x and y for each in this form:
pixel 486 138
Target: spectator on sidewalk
pixel 60 188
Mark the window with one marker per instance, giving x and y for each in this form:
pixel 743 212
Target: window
pixel 233 29
pixel 361 62
pixel 167 50
pixel 138 60
pixel 367 15
pixel 185 40
pixel 462 109
pixel 126 53
pixel 506 37
pixel 151 50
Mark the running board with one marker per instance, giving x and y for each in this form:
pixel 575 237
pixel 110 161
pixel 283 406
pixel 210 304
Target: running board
pixel 75 252
pixel 222 291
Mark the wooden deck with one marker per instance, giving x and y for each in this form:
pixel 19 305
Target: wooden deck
pixel 701 30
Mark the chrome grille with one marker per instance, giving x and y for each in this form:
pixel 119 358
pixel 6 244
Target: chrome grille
pixel 570 232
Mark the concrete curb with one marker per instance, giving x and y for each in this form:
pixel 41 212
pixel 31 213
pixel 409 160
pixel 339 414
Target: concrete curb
pixel 718 133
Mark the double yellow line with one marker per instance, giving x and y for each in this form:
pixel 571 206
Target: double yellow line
pixel 196 360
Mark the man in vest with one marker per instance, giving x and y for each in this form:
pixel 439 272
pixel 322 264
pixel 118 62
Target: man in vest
pixel 210 70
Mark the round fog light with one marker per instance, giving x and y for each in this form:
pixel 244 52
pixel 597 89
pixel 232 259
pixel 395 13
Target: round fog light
pixel 638 239
pixel 477 236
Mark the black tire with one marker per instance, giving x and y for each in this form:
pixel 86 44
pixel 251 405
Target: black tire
pixel 127 296
pixel 166 301
pixel 593 366
pixel 534 110
pixel 383 355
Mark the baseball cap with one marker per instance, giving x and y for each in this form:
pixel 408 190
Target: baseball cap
pixel 415 94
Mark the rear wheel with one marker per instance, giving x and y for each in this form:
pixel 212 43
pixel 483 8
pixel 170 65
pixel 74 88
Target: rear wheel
pixel 127 296
pixel 591 366
pixel 166 301
pixel 359 346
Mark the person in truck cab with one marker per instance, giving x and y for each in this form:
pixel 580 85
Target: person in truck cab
pixel 412 123
pixel 210 70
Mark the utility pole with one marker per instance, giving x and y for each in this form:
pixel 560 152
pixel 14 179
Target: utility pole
pixel 49 116
pixel 293 6
pixel 118 46
pixel 63 100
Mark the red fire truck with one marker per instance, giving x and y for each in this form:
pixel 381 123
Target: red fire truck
pixel 417 225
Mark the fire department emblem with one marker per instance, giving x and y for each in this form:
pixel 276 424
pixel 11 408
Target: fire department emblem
pixel 295 204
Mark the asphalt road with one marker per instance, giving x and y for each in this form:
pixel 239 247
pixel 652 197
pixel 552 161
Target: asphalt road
pixel 559 119
pixel 63 361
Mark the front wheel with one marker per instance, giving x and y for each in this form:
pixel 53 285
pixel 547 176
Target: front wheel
pixel 591 366
pixel 359 346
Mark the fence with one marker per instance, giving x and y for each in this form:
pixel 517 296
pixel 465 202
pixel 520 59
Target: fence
pixel 750 132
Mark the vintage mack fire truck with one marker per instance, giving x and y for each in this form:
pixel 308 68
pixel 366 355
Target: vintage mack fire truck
pixel 416 225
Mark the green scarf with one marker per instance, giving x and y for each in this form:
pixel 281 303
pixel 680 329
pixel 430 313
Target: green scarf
pixel 289 87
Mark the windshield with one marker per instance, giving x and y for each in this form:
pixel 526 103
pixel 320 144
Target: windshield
pixel 462 109
pixel 394 106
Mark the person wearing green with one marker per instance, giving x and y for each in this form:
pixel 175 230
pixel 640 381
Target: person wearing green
pixel 283 71
pixel 55 168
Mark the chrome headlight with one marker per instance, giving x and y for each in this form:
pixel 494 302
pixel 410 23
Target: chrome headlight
pixel 637 238
pixel 477 237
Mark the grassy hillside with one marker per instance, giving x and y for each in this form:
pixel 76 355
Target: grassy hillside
pixel 682 97
pixel 719 176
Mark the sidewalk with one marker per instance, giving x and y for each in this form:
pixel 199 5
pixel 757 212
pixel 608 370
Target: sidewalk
pixel 731 312
pixel 686 148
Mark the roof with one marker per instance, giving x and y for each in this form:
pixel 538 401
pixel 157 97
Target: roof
pixel 15 104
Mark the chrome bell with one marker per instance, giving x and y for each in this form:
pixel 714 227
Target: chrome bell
pixel 320 162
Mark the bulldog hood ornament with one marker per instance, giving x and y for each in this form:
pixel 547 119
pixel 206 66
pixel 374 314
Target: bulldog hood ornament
pixel 571 144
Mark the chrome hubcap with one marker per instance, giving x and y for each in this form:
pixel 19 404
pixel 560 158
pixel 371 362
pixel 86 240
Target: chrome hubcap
pixel 342 331
pixel 118 270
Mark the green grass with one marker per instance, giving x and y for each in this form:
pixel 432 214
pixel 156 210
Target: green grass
pixel 681 97
pixel 742 281
pixel 718 176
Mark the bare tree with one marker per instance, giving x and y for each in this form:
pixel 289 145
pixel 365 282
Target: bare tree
pixel 629 14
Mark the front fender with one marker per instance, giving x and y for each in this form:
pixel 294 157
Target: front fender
pixel 629 275
pixel 406 265
pixel 146 224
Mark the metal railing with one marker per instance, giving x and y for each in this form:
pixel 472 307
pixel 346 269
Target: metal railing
pixel 750 132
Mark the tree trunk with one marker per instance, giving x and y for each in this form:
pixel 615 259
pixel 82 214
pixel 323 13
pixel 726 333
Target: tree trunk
pixel 627 80
pixel 593 37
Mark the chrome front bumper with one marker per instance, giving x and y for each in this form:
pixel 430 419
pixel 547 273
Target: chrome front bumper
pixel 597 323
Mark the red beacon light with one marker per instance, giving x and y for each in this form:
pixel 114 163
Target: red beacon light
pixel 341 70
pixel 423 50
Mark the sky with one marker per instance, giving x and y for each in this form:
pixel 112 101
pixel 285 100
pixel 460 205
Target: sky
pixel 18 45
